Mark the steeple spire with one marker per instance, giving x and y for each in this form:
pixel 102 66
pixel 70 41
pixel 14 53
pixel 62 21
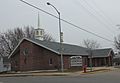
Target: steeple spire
pixel 39 32
pixel 38 21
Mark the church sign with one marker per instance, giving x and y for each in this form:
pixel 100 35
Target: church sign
pixel 76 61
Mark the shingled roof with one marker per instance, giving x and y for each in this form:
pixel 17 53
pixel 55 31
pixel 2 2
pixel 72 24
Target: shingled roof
pixel 101 52
pixel 68 49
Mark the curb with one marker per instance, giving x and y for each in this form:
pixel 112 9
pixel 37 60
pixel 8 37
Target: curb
pixel 25 75
pixel 55 74
pixel 94 72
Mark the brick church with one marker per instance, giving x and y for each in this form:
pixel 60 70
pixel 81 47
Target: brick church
pixel 37 54
pixel 34 54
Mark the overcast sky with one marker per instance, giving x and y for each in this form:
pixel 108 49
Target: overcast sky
pixel 97 16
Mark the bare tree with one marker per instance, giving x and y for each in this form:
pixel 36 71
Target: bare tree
pixel 91 45
pixel 117 42
pixel 48 37
pixel 29 32
pixel 10 39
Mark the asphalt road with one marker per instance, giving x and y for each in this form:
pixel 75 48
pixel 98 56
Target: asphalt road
pixel 106 77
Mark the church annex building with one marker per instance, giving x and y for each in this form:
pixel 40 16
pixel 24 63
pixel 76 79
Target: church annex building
pixel 33 54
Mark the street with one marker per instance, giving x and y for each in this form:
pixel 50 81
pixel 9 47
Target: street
pixel 104 77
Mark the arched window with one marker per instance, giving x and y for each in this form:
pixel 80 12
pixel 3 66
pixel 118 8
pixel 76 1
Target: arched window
pixel 37 32
pixel 41 33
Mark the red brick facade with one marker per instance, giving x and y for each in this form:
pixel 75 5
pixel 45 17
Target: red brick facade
pixel 37 58
pixel 30 56
pixel 103 61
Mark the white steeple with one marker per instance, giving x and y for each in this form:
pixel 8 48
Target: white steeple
pixel 38 21
pixel 39 32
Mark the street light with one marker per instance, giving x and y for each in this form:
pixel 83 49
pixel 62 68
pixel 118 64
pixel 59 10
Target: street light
pixel 61 35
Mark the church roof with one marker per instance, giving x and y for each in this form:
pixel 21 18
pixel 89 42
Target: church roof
pixel 68 49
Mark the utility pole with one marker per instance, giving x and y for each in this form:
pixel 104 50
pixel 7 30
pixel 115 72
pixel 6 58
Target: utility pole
pixel 61 36
pixel 90 59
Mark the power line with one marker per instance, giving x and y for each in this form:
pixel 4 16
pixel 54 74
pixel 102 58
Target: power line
pixel 93 15
pixel 66 21
pixel 109 19
pixel 100 13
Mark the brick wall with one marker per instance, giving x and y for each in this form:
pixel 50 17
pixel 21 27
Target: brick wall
pixel 15 61
pixel 37 58
pixel 66 61
pixel 26 60
pixel 42 56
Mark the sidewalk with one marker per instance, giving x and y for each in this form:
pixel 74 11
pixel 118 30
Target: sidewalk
pixel 99 69
pixel 35 73
pixel 56 73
